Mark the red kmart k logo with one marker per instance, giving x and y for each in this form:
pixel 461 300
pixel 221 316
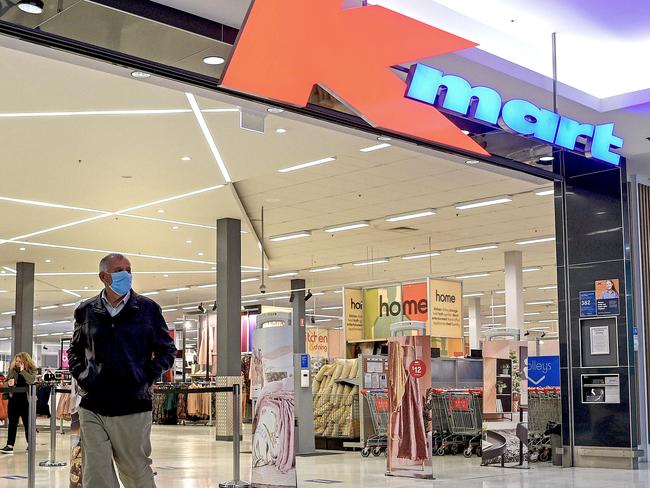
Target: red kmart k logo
pixel 288 46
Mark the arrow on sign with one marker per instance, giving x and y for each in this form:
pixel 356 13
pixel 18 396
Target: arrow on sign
pixel 286 47
pixel 538 381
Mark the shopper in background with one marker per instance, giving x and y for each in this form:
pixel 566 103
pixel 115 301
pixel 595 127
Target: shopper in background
pixel 22 372
pixel 120 346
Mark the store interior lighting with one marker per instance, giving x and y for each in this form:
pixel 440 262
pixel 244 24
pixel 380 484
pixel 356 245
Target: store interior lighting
pixel 309 164
pixel 31 6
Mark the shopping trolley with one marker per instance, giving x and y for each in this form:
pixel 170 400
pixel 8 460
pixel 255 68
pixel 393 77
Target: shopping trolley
pixel 378 405
pixel 439 418
pixel 464 414
pixel 543 407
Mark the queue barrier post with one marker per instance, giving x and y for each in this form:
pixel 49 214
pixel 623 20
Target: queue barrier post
pixel 236 482
pixel 52 462
pixel 31 438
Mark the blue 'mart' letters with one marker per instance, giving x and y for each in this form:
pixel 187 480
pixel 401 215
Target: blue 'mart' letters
pixel 453 93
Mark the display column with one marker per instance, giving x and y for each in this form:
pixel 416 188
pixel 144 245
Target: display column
pixel 299 316
pixel 598 377
pixel 23 323
pixel 475 320
pixel 514 290
pixel 228 319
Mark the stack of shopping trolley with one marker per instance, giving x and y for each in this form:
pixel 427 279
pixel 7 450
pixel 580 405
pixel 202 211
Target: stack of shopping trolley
pixel 457 419
pixel 543 407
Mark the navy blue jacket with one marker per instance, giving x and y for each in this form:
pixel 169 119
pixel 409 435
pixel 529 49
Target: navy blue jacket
pixel 115 360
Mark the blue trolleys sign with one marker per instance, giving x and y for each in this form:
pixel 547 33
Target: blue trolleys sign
pixel 543 371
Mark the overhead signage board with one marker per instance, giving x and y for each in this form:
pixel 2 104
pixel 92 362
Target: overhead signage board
pixel 362 78
pixel 543 371
pixel 446 308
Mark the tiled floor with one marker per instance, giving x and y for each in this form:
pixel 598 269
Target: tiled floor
pixel 187 457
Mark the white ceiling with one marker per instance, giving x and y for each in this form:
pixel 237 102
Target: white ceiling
pixel 81 161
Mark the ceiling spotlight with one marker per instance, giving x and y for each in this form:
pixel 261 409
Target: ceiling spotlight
pixel 291 297
pixel 275 110
pixel 186 158
pixel 140 74
pixel 308 295
pixel 472 162
pixel 384 138
pixel 546 159
pixel 313 320
pixel 214 60
pixel 543 334
pixel 214 306
pixel 201 308
pixel 31 6
pixel 527 334
pixel 281 131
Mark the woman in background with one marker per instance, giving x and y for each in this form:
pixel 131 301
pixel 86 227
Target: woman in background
pixel 22 372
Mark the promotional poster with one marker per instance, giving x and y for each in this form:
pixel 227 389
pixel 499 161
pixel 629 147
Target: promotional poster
pixel 446 308
pixel 273 445
pixel 409 389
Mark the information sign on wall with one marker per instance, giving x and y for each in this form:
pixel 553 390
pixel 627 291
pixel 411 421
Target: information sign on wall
pixel 446 308
pixel 353 313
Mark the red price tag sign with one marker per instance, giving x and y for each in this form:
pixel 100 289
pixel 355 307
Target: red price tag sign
pixel 418 369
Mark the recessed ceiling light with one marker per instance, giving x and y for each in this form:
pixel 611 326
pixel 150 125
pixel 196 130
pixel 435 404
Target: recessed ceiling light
pixel 532 313
pixel 421 256
pixel 384 138
pixel 472 162
pixel 201 254
pixel 542 302
pixel 214 60
pixel 545 193
pixel 484 203
pixel 188 242
pixel 279 298
pixel 275 110
pixel 344 227
pixel 48 260
pixel 477 248
pixel 140 74
pixel 249 280
pixel 175 227
pixel 307 165
pixel 290 236
pixel 326 268
pixel 50 307
pixel 377 147
pixel 549 287
pixel 546 158
pixel 477 275
pixel 169 310
pixel 186 158
pixel 161 211
pixel 530 270
pixel 471 295
pixel 284 275
pixel 370 263
pixel 181 288
pixel 165 276
pixel 416 214
pixel 535 241
pixel 281 131
pixel 31 6
pixel 22 248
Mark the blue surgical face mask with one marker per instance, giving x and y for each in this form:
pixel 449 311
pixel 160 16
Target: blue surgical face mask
pixel 121 284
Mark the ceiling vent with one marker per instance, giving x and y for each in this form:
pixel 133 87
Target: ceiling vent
pixel 403 229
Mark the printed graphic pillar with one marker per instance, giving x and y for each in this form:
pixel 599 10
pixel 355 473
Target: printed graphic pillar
pixel 592 235
pixel 475 320
pixel 514 290
pixel 23 322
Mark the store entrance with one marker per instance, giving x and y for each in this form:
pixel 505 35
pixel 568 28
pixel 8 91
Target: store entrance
pixel 443 264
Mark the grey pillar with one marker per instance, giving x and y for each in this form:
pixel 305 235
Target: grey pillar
pixel 228 297
pixel 514 290
pixel 299 319
pixel 475 322
pixel 23 322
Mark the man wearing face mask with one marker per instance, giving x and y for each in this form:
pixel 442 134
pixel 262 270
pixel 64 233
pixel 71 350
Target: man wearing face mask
pixel 120 347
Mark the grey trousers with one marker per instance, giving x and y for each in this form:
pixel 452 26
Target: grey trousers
pixel 126 440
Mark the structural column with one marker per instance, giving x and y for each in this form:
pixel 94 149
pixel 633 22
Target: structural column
pixel 228 297
pixel 514 290
pixel 23 322
pixel 475 322
pixel 299 316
